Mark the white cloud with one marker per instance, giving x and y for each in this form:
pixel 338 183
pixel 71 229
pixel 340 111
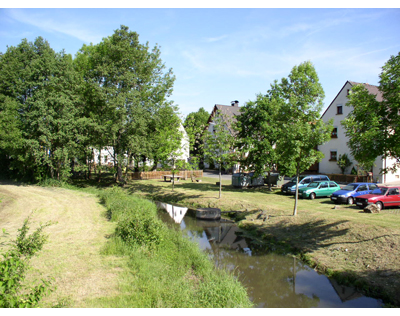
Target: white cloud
pixel 49 24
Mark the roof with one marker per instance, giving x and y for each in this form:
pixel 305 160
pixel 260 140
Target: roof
pixel 228 111
pixel 371 89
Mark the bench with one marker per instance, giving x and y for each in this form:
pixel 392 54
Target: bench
pixel 170 178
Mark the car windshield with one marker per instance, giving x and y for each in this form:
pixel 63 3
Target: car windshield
pixel 350 187
pixel 313 185
pixel 294 179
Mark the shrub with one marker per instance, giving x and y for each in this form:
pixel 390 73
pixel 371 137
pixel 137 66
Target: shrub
pixel 13 267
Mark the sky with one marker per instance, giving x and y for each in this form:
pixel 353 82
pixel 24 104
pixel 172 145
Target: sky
pixel 219 55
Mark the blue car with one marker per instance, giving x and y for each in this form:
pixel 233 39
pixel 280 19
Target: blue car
pixel 351 191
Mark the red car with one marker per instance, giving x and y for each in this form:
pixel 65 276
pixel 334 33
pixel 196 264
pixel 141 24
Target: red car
pixel 382 197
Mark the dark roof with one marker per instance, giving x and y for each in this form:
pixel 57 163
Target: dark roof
pixel 371 89
pixel 228 111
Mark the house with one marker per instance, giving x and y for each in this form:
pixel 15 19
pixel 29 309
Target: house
pixel 107 153
pixel 338 111
pixel 230 112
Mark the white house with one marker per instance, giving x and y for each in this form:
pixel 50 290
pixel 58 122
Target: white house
pixel 338 143
pixel 107 153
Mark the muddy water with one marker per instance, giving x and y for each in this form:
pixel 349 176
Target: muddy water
pixel 271 280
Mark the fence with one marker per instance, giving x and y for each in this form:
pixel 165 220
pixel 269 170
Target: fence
pixel 147 175
pixel 349 178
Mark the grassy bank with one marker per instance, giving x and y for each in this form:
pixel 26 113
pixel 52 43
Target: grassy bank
pixel 163 269
pixel 107 248
pixel 356 248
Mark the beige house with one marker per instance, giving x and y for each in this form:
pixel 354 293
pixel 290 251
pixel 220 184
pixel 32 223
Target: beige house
pixel 338 111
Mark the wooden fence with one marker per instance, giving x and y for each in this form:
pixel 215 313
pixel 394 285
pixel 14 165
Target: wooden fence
pixel 147 175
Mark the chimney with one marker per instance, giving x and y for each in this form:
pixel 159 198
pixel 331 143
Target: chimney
pixel 235 103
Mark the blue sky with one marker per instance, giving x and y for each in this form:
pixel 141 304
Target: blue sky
pixel 221 55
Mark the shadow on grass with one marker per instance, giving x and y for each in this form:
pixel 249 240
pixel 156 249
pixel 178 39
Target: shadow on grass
pixel 303 239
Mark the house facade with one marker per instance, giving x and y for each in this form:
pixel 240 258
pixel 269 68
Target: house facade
pixel 337 146
pixel 107 153
pixel 230 112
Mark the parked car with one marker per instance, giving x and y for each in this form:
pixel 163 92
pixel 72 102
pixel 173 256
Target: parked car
pixel 304 180
pixel 318 189
pixel 384 197
pixel 351 191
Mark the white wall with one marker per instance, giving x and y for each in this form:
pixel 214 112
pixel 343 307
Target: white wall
pixel 339 144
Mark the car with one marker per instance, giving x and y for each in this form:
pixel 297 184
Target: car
pixel 318 189
pixel 304 180
pixel 351 191
pixel 381 197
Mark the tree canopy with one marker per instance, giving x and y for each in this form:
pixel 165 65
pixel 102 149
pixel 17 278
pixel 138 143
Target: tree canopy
pixel 373 126
pixel 56 110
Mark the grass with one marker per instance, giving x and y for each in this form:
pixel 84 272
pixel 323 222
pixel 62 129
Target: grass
pixel 107 248
pixel 355 247
pixel 161 261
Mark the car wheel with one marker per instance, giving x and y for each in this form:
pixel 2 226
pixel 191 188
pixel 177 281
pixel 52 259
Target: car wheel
pixel 312 196
pixel 379 205
pixel 350 201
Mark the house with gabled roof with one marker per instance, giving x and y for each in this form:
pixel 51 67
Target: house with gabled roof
pixel 229 113
pixel 338 111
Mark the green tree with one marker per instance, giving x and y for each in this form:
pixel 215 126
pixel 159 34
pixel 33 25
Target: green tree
pixel 344 162
pixel 259 129
pixel 194 125
pixel 130 84
pixel 373 126
pixel 302 130
pixel 219 145
pixel 40 98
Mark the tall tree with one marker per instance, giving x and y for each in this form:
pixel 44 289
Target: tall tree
pixel 40 92
pixel 259 129
pixel 373 126
pixel 130 83
pixel 219 145
pixel 301 96
pixel 194 125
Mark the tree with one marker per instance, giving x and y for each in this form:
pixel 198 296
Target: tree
pixel 129 84
pixel 40 98
pixel 258 128
pixel 194 125
pixel 302 130
pixel 344 162
pixel 219 145
pixel 373 126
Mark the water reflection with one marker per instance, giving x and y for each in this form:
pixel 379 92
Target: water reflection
pixel 271 280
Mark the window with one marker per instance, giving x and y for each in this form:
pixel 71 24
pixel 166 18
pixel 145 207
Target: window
pixel 334 133
pixel 333 156
pixel 332 184
pixel 323 186
pixel 372 186
pixel 362 188
pixel 339 109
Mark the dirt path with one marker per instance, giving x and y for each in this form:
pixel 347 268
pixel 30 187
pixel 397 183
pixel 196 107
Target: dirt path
pixel 72 253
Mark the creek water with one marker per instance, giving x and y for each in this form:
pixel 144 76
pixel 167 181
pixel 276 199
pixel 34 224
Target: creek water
pixel 271 280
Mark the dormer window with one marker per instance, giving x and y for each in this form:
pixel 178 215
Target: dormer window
pixel 339 109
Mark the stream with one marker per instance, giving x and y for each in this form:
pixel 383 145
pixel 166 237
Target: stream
pixel 271 280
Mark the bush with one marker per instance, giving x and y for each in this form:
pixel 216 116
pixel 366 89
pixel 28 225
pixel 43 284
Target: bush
pixel 13 267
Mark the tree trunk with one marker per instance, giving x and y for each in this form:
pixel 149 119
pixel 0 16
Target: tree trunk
pixel 296 194
pixel 220 184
